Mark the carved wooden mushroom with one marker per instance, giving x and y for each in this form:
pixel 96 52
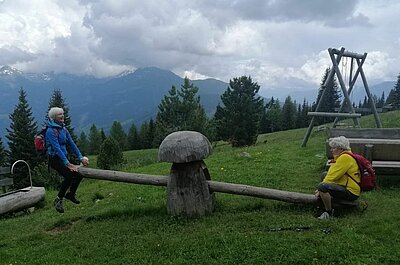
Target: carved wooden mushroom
pixel 187 190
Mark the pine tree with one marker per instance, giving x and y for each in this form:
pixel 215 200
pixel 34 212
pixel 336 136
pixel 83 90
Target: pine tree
pixel 133 138
pixel 394 95
pixel 20 140
pixel 57 100
pixel 303 118
pixel 288 114
pixel 3 154
pixel 180 110
pixel 274 115
pixel 94 140
pixel 238 120
pixel 145 141
pixel 331 98
pixel 381 101
pixel 83 143
pixel 117 132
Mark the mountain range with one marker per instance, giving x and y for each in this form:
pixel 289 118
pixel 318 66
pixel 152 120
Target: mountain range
pixel 131 97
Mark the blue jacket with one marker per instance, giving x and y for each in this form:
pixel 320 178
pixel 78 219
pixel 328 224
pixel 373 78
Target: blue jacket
pixel 57 145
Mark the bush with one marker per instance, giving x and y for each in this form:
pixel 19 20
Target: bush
pixel 110 154
pixel 43 177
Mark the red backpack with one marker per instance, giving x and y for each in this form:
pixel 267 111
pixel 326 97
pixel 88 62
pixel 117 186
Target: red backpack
pixel 368 176
pixel 40 141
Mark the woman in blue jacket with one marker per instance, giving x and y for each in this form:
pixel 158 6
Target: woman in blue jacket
pixel 57 138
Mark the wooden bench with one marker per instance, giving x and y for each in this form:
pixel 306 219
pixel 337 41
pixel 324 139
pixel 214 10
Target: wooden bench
pixel 5 182
pixel 379 145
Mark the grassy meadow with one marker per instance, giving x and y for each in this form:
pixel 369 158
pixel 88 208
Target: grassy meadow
pixel 120 223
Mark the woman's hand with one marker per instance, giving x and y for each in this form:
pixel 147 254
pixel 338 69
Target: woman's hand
pixel 72 167
pixel 85 161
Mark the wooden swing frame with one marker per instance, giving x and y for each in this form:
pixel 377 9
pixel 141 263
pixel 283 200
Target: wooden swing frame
pixel 336 56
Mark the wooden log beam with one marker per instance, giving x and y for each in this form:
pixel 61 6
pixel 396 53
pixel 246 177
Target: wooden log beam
pixel 215 186
pixel 265 193
pixel 333 114
pixel 20 199
pixel 119 176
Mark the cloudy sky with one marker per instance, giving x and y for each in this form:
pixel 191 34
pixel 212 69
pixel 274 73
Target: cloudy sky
pixel 279 43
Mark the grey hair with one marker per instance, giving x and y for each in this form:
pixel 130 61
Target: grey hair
pixel 340 142
pixel 54 111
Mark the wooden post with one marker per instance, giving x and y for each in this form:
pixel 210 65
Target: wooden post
pixel 368 152
pixel 187 189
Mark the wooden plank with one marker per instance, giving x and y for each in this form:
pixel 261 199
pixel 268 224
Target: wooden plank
pixel 381 167
pixel 382 164
pixel 5 170
pixel 381 133
pixel 333 114
pixel 383 150
pixel 6 182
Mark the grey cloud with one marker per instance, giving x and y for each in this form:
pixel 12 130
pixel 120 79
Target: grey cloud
pixel 331 13
pixel 10 55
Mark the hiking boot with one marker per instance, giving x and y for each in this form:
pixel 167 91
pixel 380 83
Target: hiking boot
pixel 71 197
pixel 58 204
pixel 326 215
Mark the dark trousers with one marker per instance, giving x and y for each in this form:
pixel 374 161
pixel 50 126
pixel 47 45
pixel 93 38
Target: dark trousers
pixel 71 179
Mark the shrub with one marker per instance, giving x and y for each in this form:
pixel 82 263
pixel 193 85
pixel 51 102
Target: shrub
pixel 110 154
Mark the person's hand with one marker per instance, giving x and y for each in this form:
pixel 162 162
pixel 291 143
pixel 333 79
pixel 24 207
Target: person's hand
pixel 72 167
pixel 85 161
pixel 316 193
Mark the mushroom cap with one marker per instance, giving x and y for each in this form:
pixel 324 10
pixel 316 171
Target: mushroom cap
pixel 183 147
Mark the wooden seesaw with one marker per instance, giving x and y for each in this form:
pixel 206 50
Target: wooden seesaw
pixel 189 186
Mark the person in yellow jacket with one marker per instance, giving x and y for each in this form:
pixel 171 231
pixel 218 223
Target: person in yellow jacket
pixel 337 184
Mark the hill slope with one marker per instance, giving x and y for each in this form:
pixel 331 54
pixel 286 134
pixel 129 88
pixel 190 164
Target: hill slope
pixel 120 223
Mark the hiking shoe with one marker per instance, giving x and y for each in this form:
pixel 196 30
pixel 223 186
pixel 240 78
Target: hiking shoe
pixel 58 204
pixel 71 197
pixel 326 215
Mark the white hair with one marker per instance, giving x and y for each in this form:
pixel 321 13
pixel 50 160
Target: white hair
pixel 340 142
pixel 54 111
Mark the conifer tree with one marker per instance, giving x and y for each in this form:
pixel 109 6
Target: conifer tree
pixel 3 154
pixel 20 139
pixel 57 100
pixel 394 95
pixel 117 132
pixel 103 136
pixel 274 115
pixel 237 121
pixel 180 110
pixel 331 98
pixel 95 140
pixel 288 114
pixel 133 138
pixel 83 143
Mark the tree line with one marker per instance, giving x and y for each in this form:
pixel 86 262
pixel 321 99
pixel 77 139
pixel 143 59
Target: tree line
pixel 238 120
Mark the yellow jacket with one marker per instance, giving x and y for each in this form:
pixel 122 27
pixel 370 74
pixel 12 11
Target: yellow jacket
pixel 339 171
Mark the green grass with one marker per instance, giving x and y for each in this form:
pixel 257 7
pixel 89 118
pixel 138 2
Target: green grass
pixel 120 223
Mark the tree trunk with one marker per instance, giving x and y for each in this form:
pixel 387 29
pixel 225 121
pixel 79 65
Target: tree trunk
pixel 187 190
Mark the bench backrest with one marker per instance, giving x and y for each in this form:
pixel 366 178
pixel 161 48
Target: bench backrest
pixel 367 133
pixel 386 142
pixel 6 181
